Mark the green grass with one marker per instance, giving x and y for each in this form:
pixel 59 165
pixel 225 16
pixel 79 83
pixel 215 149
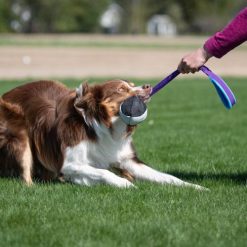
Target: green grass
pixel 97 44
pixel 80 41
pixel 188 133
pixel 134 42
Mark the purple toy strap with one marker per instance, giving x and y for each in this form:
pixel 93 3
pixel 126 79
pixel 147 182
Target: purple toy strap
pixel 223 90
pixel 164 82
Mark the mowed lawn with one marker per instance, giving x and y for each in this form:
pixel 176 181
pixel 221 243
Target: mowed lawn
pixel 189 134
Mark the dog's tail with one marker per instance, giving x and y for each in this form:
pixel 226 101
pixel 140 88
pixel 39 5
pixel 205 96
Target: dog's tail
pixel 11 120
pixel 10 111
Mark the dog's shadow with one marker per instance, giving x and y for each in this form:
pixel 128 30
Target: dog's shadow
pixel 238 178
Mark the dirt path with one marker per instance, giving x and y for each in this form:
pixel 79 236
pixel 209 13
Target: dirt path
pixel 84 62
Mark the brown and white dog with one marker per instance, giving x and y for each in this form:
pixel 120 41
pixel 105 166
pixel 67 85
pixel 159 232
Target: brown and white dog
pixel 47 130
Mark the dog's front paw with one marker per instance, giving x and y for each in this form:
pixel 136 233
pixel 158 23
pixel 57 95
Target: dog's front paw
pixel 198 187
pixel 124 183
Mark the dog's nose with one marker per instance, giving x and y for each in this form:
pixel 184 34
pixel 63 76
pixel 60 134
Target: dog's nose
pixel 146 86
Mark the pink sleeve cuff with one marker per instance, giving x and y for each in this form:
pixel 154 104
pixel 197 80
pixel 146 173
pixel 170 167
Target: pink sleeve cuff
pixel 212 47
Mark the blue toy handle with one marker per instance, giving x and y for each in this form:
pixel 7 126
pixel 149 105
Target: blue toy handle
pixel 225 93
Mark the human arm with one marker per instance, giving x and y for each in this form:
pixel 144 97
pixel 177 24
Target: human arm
pixel 234 34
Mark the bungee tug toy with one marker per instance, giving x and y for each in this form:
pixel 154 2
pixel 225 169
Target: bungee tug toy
pixel 133 110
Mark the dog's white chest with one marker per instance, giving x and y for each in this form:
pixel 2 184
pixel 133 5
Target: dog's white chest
pixel 100 154
pixel 109 148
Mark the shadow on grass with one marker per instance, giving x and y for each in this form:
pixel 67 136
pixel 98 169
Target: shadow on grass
pixel 238 178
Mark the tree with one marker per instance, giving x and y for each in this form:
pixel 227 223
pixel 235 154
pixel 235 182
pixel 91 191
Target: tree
pixel 58 16
pixel 5 16
pixel 191 16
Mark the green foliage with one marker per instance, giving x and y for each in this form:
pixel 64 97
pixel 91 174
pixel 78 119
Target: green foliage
pixel 5 16
pixel 195 16
pixel 83 15
pixel 188 133
pixel 62 15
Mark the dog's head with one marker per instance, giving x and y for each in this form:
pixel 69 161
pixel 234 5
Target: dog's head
pixel 102 102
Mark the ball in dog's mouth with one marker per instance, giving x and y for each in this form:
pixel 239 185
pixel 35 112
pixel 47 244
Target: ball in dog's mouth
pixel 133 110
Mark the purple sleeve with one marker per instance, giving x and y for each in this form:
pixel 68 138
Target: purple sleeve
pixel 234 34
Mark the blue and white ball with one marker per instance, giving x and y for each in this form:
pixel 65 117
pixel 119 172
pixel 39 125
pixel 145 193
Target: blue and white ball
pixel 133 110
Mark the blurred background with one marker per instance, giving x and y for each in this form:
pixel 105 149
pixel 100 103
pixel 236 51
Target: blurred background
pixel 159 17
pixel 130 38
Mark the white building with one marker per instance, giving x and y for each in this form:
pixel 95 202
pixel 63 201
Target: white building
pixel 161 25
pixel 111 19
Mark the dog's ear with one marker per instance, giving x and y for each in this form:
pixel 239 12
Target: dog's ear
pixel 82 109
pixel 88 104
pixel 82 101
pixel 82 90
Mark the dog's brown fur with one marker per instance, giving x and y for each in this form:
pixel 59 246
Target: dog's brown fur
pixel 40 119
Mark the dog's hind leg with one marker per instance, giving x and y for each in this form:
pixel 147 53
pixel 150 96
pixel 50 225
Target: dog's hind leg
pixel 15 152
pixel 26 163
pixel 16 157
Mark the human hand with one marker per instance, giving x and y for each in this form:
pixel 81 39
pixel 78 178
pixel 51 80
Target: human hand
pixel 193 61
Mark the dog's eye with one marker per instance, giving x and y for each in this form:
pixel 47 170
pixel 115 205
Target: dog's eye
pixel 122 89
